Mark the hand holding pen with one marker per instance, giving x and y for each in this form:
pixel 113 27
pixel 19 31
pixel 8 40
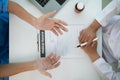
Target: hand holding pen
pixel 85 43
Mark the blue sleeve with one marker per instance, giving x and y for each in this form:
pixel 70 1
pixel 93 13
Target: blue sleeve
pixel 4 78
pixel 3 6
pixel 4 10
pixel 4 34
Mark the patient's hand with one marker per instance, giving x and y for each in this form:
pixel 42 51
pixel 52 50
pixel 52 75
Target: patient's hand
pixel 91 51
pixel 88 34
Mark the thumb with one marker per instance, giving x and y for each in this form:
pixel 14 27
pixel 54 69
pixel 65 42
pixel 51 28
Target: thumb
pixel 50 14
pixel 46 74
pixel 94 44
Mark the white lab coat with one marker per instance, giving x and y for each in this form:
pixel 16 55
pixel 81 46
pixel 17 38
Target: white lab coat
pixel 111 41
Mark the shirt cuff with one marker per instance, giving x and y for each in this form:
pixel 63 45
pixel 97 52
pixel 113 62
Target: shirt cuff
pixel 100 21
pixel 98 62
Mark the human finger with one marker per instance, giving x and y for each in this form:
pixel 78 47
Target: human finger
pixel 56 59
pixel 86 40
pixel 90 39
pixel 54 32
pixel 94 44
pixel 52 66
pixel 58 30
pixel 83 39
pixel 52 58
pixel 55 65
pixel 61 27
pixel 50 55
pixel 81 36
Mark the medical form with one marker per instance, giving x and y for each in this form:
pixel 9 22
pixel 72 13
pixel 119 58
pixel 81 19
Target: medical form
pixel 64 45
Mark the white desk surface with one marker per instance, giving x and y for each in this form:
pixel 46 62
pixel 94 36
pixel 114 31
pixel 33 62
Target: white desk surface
pixel 23 45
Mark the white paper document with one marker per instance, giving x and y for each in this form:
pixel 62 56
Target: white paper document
pixel 65 45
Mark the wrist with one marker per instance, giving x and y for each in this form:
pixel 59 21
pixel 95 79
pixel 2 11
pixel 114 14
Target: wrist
pixel 94 57
pixel 95 26
pixel 37 23
pixel 32 65
pixel 33 22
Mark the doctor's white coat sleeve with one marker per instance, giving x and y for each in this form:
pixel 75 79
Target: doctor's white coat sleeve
pixel 108 12
pixel 105 70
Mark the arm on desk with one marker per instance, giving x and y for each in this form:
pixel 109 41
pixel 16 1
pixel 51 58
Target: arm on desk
pixel 104 69
pixel 14 68
pixel 43 64
pixel 102 19
pixel 91 51
pixel 42 23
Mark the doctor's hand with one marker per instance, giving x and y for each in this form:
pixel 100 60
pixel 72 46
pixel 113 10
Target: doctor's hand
pixel 44 64
pixel 91 51
pixel 88 34
pixel 52 24
pixel 42 23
